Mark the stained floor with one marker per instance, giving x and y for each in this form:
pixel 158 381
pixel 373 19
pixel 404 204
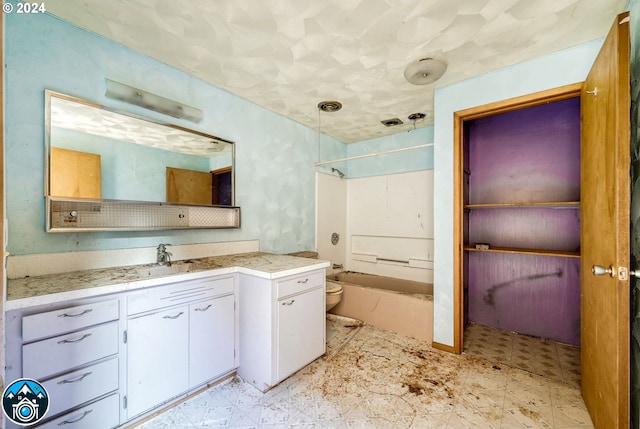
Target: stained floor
pixel 371 378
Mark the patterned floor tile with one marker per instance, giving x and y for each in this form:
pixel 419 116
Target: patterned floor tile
pixel 376 379
pixel 553 360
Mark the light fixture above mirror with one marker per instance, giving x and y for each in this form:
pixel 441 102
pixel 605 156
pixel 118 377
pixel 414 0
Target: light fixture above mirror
pixel 139 97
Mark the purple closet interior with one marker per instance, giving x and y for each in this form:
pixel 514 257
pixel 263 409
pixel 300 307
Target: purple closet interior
pixel 530 155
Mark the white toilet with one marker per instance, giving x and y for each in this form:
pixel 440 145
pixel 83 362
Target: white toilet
pixel 334 294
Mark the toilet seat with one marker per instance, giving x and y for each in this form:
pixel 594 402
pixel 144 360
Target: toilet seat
pixel 333 288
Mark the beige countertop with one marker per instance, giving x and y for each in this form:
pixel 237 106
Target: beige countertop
pixel 30 291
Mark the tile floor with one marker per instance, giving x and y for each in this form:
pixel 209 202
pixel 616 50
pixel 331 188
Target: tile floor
pixel 371 378
pixel 559 362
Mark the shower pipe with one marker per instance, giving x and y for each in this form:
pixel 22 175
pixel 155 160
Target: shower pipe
pixel 368 155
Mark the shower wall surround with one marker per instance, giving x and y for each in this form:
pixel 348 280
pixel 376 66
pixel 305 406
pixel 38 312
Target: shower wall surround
pixel 275 179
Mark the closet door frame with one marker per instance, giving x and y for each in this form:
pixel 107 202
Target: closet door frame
pixel 460 117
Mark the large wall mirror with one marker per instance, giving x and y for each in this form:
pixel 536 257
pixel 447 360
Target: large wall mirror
pixel 111 171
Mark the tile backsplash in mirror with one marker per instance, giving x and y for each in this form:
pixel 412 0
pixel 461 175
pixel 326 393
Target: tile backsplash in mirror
pixel 78 215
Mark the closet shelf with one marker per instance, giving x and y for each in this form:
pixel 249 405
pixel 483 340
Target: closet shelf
pixel 544 204
pixel 540 252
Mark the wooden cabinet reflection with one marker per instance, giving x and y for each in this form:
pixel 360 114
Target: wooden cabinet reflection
pixel 75 174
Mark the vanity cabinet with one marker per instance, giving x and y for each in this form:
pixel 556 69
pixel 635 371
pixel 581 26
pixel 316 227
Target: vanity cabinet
pixel 74 352
pixel 178 337
pixel 282 326
pixel 113 355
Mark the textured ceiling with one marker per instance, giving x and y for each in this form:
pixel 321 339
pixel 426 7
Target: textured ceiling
pixel 288 55
pixel 88 119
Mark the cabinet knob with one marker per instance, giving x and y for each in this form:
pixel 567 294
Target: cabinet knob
pixel 173 317
pixel 66 422
pixel 75 380
pixel 76 340
pixel 88 310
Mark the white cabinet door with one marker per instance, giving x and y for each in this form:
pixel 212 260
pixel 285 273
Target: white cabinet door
pixel 157 363
pixel 300 331
pixel 211 339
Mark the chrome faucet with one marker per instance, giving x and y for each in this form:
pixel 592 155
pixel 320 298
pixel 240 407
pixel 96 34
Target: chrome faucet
pixel 164 257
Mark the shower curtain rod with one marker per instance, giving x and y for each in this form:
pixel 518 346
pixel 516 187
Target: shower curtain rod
pixel 384 152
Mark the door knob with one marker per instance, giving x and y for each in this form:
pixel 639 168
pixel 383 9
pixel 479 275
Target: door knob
pixel 597 270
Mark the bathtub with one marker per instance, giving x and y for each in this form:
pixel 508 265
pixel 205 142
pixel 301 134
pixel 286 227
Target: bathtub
pixel 401 306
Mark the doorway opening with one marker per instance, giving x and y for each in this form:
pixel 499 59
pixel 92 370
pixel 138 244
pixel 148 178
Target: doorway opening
pixel 518 232
pixel 222 186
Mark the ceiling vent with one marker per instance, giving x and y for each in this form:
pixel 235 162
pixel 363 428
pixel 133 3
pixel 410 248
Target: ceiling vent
pixel 391 122
pixel 329 106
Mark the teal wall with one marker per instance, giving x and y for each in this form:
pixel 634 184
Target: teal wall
pixel 392 163
pixel 275 177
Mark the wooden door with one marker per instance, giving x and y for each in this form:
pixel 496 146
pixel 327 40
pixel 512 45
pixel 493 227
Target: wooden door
pixel 605 203
pixel 188 186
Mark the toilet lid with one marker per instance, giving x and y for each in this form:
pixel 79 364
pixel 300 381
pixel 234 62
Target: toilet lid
pixel 333 287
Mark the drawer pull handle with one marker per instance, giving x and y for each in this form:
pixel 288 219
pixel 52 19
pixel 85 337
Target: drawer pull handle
pixel 289 303
pixel 88 310
pixel 75 380
pixel 203 309
pixel 74 341
pixel 66 422
pixel 173 317
pixel 303 281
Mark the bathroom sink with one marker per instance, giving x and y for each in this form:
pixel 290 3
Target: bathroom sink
pixel 163 270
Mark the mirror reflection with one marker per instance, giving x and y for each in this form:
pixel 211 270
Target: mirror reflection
pixel 96 153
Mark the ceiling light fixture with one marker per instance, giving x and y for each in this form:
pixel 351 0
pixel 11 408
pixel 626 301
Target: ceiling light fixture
pixel 329 106
pixel 425 70
pixel 416 117
pixel 138 97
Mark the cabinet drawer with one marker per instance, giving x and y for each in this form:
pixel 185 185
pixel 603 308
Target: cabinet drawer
pixel 179 293
pixel 69 319
pixel 58 354
pixel 300 283
pixel 78 387
pixel 102 414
